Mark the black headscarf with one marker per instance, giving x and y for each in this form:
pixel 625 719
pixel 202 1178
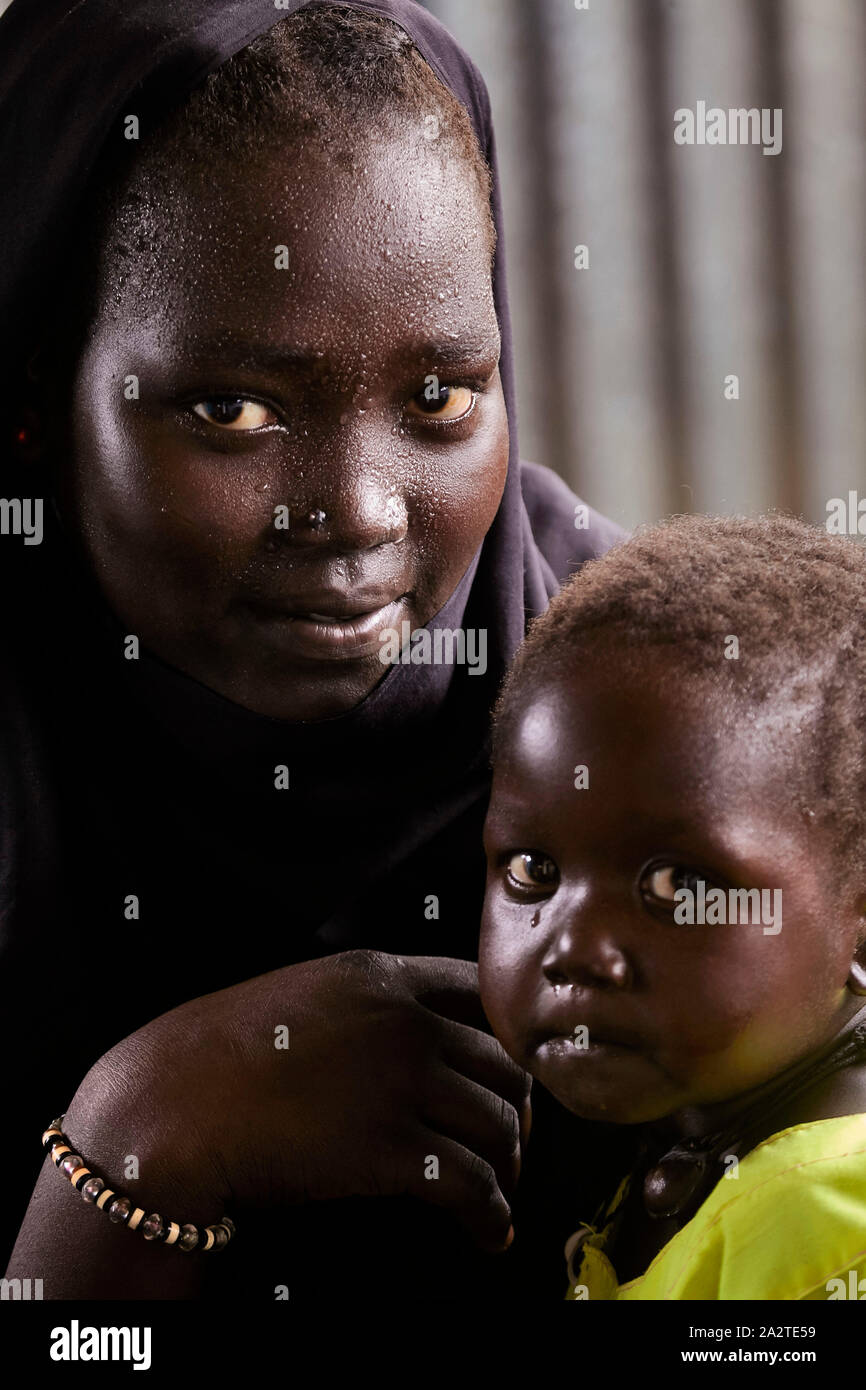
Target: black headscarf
pixel 128 778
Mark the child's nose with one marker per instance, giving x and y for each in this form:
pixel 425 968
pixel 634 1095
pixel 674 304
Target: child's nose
pixel 580 955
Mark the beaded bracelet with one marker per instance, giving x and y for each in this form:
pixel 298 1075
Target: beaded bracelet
pixel 122 1209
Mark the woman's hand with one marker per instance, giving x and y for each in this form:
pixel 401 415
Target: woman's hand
pixel 356 1074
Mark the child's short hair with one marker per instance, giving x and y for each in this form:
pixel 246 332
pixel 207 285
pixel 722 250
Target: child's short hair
pixel 793 597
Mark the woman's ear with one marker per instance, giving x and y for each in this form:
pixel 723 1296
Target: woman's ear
pixel 856 981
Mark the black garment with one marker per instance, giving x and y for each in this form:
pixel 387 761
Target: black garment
pixel 128 778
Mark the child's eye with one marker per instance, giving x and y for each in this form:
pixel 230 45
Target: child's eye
pixel 234 413
pixel 663 881
pixel 532 869
pixel 443 403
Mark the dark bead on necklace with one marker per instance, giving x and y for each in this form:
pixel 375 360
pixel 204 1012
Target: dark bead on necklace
pixel 669 1187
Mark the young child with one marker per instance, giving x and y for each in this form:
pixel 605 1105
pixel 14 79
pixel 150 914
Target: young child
pixel 684 726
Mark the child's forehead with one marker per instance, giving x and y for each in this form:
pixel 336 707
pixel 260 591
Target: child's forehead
pixel 605 775
pixel 646 717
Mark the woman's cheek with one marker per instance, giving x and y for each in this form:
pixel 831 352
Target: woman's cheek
pixel 474 470
pixel 455 512
pixel 192 508
pixel 485 465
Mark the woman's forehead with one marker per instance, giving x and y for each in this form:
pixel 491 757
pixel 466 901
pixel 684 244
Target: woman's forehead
pixel 394 249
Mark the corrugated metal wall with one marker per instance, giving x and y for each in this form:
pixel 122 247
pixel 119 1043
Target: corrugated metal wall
pixel 704 261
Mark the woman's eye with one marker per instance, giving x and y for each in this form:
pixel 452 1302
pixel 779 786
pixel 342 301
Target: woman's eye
pixel 235 413
pixel 447 403
pixel 531 869
pixel 667 879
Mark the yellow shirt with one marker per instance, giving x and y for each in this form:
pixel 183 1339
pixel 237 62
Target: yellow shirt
pixel 790 1225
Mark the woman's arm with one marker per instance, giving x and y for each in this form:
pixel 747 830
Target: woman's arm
pixel 387 1066
pixel 74 1248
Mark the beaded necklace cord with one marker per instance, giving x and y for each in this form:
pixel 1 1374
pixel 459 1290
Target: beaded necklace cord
pixel 679 1181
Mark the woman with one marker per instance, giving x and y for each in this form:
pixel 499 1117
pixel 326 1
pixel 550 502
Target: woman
pixel 263 377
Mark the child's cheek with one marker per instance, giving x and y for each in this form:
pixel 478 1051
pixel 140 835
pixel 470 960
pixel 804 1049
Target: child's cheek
pixel 729 1040
pixel 505 973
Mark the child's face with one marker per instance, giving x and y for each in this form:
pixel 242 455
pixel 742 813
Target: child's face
pixel 582 933
pixel 303 389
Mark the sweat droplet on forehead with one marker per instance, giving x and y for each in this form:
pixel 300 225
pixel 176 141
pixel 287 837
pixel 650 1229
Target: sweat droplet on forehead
pixel 210 246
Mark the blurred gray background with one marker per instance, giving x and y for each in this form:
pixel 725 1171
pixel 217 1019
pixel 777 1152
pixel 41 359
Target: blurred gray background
pixel 703 261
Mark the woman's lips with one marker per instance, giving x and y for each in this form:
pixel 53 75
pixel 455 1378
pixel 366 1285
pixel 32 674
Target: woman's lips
pixel 320 636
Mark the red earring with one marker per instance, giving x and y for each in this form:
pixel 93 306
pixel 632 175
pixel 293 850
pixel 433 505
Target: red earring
pixel 26 436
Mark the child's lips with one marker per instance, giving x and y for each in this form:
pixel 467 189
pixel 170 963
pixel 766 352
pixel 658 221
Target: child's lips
pixel 580 1032
pixel 563 1061
pixel 567 1047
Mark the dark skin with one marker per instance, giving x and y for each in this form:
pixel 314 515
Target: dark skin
pixel 685 1023
pixel 302 388
pixel 390 1059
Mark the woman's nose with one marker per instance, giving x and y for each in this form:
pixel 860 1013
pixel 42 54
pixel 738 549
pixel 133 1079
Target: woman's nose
pixel 586 957
pixel 350 503
pixel 347 522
